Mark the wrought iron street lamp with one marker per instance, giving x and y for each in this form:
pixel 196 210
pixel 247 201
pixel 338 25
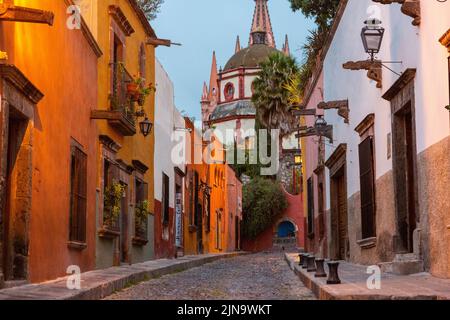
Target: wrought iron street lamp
pixel 146 127
pixel 320 124
pixel 372 37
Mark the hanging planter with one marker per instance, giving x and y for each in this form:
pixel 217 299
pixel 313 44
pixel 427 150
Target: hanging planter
pixel 132 88
pixel 141 100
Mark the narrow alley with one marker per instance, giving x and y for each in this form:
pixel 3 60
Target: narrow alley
pixel 264 276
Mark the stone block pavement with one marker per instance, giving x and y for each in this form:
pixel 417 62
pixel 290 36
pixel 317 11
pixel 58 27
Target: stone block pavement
pixel 99 284
pixel 421 286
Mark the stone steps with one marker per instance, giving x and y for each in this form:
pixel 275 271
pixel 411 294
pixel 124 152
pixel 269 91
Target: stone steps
pixel 403 264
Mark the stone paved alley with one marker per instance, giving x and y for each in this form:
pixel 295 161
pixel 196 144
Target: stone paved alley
pixel 256 277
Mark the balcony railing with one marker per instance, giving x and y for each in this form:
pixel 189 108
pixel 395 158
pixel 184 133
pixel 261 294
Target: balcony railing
pixel 119 100
pixel 120 114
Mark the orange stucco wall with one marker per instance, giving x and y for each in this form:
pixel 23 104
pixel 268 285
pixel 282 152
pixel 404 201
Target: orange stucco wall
pixel 60 63
pixel 135 147
pixel 226 189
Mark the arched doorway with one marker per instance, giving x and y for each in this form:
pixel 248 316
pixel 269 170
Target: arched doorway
pixel 286 229
pixel 285 234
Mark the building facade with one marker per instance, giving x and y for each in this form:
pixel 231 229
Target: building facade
pixel 388 166
pixel 125 200
pixel 169 168
pixel 48 142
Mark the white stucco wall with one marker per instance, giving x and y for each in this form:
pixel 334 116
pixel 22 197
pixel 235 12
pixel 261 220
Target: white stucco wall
pixel 416 47
pixel 167 118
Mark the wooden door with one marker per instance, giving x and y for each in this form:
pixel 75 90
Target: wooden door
pixel 124 227
pixel 342 217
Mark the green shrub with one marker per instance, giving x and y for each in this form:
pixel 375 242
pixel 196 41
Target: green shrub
pixel 263 201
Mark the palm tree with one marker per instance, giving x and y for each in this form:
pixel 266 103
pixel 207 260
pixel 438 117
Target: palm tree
pixel 271 96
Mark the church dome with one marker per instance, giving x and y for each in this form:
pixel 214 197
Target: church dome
pixel 250 57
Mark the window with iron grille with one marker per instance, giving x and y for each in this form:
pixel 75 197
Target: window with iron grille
pixel 367 181
pixel 78 191
pixel 141 221
pixel 310 207
pixel 165 199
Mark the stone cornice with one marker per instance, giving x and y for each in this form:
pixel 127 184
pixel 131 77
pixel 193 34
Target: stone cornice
pixel 121 20
pixel 110 143
pixel 142 19
pixel 319 67
pixel 14 76
pixel 445 40
pixel 365 124
pixel 88 34
pixel 9 12
pixel 337 154
pixel 139 166
pixel 405 78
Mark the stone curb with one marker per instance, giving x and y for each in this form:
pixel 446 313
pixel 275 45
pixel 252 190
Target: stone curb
pixel 352 291
pixel 99 284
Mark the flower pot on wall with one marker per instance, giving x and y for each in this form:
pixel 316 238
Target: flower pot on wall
pixel 132 89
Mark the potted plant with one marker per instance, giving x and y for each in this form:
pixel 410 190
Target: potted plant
pixel 134 88
pixel 144 92
pixel 141 214
pixel 112 203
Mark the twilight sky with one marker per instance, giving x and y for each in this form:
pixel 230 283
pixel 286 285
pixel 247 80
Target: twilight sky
pixel 203 26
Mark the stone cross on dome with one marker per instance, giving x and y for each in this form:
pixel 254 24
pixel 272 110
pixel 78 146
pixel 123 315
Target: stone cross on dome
pixel 261 23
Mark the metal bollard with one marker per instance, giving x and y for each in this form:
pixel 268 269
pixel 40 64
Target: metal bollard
pixel 333 277
pixel 320 273
pixel 311 263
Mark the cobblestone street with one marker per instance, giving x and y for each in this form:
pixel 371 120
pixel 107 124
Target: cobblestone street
pixel 254 277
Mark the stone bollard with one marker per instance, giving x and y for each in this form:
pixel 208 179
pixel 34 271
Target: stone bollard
pixel 305 261
pixel 320 273
pixel 311 263
pixel 333 277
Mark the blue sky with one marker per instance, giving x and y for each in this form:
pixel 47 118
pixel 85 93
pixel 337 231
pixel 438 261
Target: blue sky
pixel 203 26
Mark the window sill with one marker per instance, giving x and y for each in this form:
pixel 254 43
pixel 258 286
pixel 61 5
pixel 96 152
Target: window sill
pixel 140 242
pixel 367 243
pixel 107 233
pixel 75 245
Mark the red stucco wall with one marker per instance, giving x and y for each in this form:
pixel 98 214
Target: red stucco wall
pixel 293 213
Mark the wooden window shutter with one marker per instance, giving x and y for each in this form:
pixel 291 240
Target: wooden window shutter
pixel 78 196
pixel 366 167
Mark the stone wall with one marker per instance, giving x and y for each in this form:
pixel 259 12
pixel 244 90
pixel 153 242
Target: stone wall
pixel 380 249
pixel 434 205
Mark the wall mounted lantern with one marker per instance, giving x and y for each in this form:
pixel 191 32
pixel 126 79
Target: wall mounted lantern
pixel 145 127
pixel 372 37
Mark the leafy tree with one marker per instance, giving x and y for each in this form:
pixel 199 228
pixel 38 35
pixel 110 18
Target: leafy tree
pixel 150 7
pixel 271 97
pixel 322 11
pixel 263 202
